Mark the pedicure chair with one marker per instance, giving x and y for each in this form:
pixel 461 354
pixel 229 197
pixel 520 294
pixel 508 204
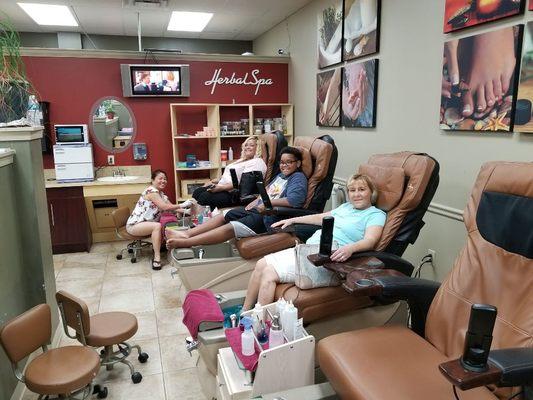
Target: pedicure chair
pixel 406 182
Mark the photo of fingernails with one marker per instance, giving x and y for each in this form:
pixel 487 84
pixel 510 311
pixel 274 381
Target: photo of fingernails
pixel 359 84
pixel 479 81
pixel 523 120
pixel 459 14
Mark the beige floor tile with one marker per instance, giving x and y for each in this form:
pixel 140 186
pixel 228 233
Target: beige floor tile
pixel 132 283
pixel 59 257
pixel 83 288
pixel 125 267
pixel 29 395
pixel 133 301
pixel 147 326
pixel 169 322
pixel 76 259
pixel 151 387
pixel 164 279
pixel 183 385
pixel 150 367
pixel 105 247
pixel 166 298
pixel 174 356
pixel 84 272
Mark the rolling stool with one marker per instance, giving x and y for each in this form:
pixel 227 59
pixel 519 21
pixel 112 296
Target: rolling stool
pixel 65 371
pixel 120 217
pixel 101 330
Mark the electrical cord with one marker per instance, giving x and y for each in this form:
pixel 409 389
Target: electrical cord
pixel 455 393
pixel 516 395
pixel 426 259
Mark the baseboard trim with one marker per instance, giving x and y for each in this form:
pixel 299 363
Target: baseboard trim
pixel 20 389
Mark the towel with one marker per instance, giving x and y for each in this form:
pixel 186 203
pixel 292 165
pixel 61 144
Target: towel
pixel 200 306
pixel 234 339
pixel 166 218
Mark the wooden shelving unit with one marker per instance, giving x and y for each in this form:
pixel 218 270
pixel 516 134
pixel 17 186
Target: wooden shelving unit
pixel 188 118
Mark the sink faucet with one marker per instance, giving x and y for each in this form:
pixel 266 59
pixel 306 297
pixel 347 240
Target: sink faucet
pixel 119 172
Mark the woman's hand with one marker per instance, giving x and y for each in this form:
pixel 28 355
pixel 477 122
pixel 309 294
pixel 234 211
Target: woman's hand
pixel 342 253
pixel 251 205
pixel 260 208
pixel 215 189
pixel 282 224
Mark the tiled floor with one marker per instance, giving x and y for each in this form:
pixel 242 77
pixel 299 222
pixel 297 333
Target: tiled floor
pixel 107 284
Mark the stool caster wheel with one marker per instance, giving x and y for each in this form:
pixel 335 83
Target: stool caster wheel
pixel 100 391
pixel 119 256
pixel 136 377
pixel 102 352
pixel 143 357
pixel 130 251
pixel 133 260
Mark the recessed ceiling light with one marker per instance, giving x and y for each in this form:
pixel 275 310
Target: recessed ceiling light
pixel 49 14
pixel 186 21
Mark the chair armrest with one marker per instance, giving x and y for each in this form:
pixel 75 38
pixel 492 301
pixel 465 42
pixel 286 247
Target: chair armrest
pixel 389 261
pixel 506 368
pixel 259 246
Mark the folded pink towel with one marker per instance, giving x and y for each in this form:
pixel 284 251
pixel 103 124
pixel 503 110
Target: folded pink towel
pixel 200 306
pixel 165 219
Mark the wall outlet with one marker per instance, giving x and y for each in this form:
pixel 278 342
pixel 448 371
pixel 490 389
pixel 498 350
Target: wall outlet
pixel 110 159
pixel 433 255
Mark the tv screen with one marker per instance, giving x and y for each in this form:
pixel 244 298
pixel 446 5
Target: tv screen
pixel 155 80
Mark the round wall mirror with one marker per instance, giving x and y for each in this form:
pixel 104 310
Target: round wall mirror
pixel 112 124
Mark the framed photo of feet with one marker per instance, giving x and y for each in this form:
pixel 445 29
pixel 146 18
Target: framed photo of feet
pixel 523 121
pixel 361 28
pixel 329 34
pixel 328 98
pixel 459 14
pixel 359 90
pixel 479 81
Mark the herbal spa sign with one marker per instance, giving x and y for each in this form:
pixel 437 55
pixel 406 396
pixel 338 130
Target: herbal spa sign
pixel 248 79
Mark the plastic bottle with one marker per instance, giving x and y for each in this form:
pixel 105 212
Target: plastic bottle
pixel 280 307
pixel 230 154
pixel 257 317
pixel 247 340
pixel 207 214
pixel 290 318
pixel 276 333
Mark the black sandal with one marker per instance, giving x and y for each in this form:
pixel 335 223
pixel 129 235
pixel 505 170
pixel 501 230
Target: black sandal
pixel 156 265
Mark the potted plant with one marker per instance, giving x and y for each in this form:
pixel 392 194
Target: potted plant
pixel 15 89
pixel 109 110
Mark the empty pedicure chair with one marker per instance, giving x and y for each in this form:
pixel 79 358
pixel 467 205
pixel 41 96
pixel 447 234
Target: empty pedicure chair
pixel 406 182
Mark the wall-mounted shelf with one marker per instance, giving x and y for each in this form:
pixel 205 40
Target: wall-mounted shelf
pixel 188 118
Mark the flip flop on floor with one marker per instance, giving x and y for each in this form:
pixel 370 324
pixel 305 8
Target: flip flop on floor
pixel 156 265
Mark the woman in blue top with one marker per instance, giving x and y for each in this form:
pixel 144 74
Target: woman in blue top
pixel 288 189
pixel 358 227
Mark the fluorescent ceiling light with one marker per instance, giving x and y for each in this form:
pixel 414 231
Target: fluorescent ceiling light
pixel 48 14
pixel 186 21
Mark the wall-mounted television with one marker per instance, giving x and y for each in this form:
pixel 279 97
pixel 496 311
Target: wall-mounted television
pixel 145 80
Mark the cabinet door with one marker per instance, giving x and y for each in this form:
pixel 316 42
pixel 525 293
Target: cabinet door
pixel 68 222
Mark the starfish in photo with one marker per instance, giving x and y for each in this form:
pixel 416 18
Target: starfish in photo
pixel 496 123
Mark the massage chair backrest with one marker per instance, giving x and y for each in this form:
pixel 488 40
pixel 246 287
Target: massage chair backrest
pixel 271 145
pixel 494 267
pixel 319 160
pixel 406 183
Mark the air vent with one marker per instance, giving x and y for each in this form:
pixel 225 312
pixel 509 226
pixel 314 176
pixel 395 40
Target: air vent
pixel 145 3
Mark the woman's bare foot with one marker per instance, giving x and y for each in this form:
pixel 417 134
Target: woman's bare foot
pixel 176 243
pixel 491 68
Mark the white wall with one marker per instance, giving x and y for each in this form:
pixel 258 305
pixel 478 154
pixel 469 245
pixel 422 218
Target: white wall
pixel 408 102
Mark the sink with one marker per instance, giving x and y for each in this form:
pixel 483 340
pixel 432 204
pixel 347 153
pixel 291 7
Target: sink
pixel 117 178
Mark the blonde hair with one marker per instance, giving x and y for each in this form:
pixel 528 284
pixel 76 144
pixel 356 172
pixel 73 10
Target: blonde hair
pixel 365 178
pixel 257 149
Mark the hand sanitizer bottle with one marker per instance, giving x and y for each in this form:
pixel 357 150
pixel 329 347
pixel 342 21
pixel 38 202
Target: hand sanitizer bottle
pixel 230 154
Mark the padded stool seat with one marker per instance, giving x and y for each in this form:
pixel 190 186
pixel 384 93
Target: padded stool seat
pixel 319 303
pixel 387 363
pixel 62 370
pixel 111 328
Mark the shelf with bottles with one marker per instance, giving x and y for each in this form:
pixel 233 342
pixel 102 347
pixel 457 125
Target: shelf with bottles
pixel 234 120
pixel 270 117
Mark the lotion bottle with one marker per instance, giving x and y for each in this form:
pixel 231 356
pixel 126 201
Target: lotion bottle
pixel 230 154
pixel 248 341
pixel 276 333
pixel 289 319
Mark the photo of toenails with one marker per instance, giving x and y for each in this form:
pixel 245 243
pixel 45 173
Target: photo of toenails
pixel 459 14
pixel 329 34
pixel 523 119
pixel 361 28
pixel 479 81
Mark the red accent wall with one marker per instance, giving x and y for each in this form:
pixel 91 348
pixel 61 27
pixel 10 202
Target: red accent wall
pixel 73 85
